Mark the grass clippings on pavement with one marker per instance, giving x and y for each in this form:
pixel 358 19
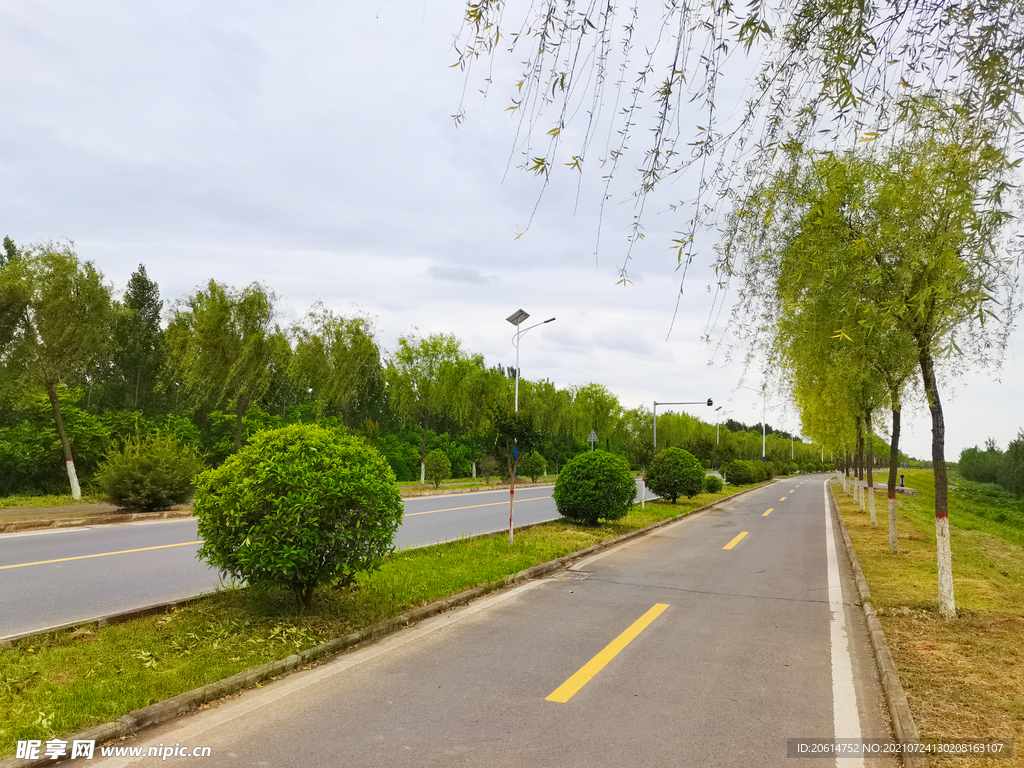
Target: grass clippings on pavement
pixel 964 678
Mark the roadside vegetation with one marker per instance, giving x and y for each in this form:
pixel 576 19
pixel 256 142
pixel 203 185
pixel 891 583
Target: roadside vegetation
pixel 964 677
pixel 55 684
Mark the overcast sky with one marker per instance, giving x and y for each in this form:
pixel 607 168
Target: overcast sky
pixel 309 146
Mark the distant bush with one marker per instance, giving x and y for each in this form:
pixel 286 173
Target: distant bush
pixel 767 470
pixel 981 466
pixel 533 466
pixel 595 485
pixel 713 484
pixel 742 472
pixel 793 468
pixel 149 473
pixel 437 466
pixel 488 467
pixel 674 473
pixel 298 507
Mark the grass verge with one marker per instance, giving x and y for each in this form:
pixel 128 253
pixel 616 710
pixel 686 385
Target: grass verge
pixel 55 684
pixel 964 678
pixel 7 502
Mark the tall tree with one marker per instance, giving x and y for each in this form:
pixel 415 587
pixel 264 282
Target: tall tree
pixel 54 313
pixel 426 377
pixel 218 342
pixel 137 345
pixel 338 356
pixel 929 237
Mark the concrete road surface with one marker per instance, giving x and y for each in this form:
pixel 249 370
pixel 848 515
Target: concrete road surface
pixel 708 643
pixel 53 577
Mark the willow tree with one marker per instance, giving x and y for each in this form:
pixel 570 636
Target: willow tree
pixel 592 79
pixel 218 344
pixel 54 313
pixel 337 356
pixel 427 377
pixel 923 244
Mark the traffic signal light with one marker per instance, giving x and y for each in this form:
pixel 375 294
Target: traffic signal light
pixel 710 403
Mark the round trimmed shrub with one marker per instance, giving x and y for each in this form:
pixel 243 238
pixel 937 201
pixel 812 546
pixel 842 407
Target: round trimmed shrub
pixel 594 485
pixel 674 473
pixel 149 473
pixel 533 466
pixel 741 472
pixel 298 507
pixel 437 466
pixel 713 484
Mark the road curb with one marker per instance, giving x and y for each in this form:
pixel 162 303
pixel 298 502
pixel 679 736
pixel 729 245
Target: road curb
pixel 899 709
pixel 76 522
pixel 162 711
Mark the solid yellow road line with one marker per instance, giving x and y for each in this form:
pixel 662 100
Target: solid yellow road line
pixel 570 687
pixel 736 541
pixel 770 510
pixel 474 506
pixel 101 554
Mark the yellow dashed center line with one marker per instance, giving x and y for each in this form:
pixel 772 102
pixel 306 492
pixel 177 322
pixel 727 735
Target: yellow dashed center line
pixel 783 498
pixel 770 510
pixel 570 687
pixel 735 541
pixel 101 554
pixel 473 506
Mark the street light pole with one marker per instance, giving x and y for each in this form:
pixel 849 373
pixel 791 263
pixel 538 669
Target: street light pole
pixel 709 403
pixel 718 425
pixel 517 318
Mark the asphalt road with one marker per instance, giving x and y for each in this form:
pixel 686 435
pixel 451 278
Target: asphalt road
pixel 675 649
pixel 113 568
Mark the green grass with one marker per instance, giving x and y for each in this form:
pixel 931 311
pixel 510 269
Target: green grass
pixel 964 678
pixel 55 684
pixel 8 502
pixel 973 506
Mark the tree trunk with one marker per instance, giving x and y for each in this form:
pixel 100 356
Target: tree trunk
pixel 76 491
pixel 871 465
pixel 947 603
pixel 423 454
pixel 894 466
pixel 472 454
pixel 858 470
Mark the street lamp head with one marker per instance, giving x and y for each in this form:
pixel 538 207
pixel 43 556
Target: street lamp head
pixel 518 316
pixel 719 408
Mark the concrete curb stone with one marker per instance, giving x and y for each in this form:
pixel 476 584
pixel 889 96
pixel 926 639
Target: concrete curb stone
pixel 899 709
pixel 162 711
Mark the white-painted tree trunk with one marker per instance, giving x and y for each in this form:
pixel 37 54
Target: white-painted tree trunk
pixel 871 506
pixel 474 470
pixel 862 491
pixel 947 605
pixel 643 493
pixel 423 473
pixel 894 541
pixel 76 490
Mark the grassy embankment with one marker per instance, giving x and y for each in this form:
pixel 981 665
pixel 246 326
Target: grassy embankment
pixel 55 684
pixel 963 678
